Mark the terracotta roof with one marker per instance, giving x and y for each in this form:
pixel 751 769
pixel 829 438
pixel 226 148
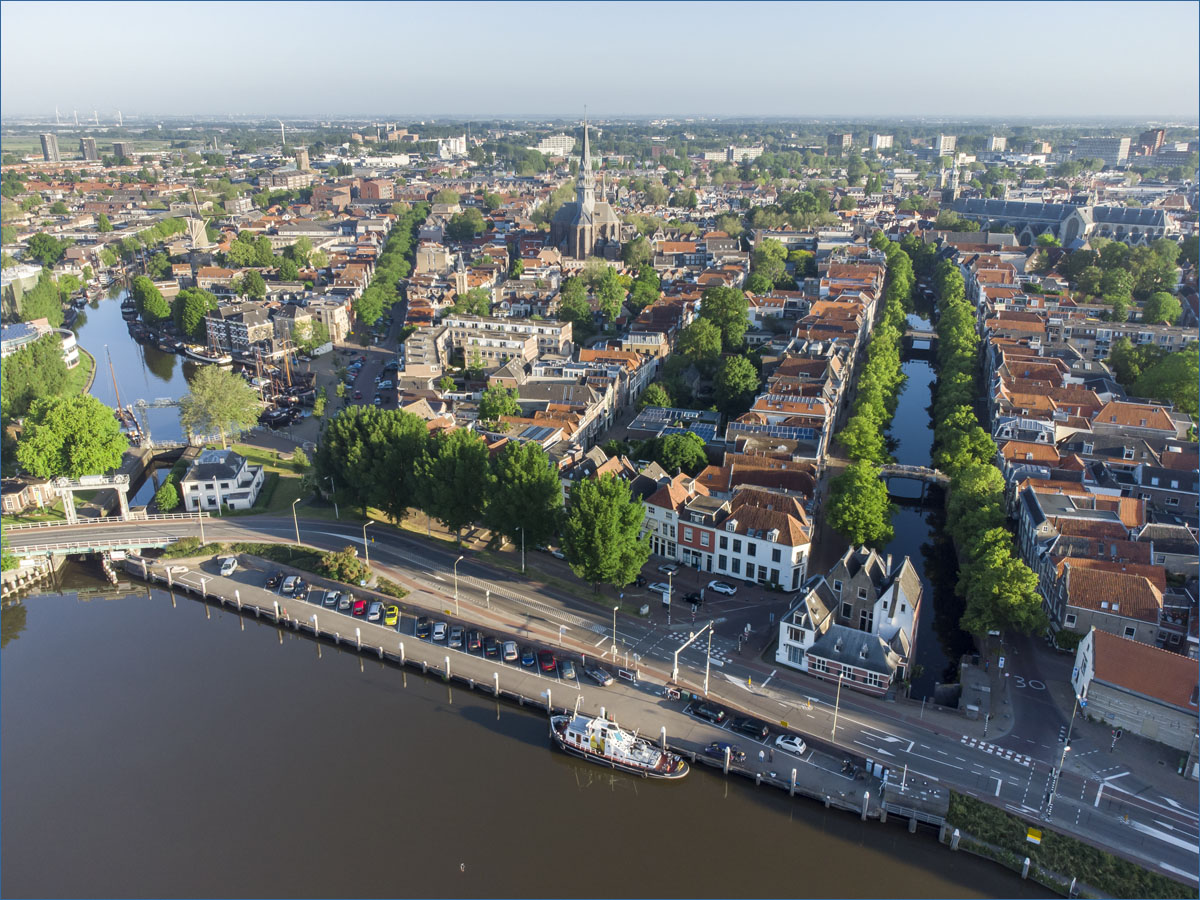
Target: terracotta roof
pixel 1165 676
pixel 1116 593
pixel 1157 575
pixel 1136 415
pixel 1023 451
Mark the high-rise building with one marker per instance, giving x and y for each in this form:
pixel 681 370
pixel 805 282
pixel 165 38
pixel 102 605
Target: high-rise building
pixel 881 141
pixel 302 159
pixel 840 141
pixel 123 149
pixel 556 145
pixel 997 144
pixel 50 148
pixel 945 144
pixel 1152 139
pixel 87 149
pixel 1113 150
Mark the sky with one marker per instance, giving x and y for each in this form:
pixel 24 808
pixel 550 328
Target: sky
pixel 794 60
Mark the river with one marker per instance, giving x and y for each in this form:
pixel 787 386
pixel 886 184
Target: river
pixel 920 530
pixel 158 749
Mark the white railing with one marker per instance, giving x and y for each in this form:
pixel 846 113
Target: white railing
pixel 86 545
pixel 105 521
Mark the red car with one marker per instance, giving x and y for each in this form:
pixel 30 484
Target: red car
pixel 358 395
pixel 546 661
pixel 360 607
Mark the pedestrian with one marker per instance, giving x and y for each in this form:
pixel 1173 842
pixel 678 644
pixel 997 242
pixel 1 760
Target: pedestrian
pixel 761 756
pixel 771 754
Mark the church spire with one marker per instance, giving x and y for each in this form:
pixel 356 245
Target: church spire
pixel 585 190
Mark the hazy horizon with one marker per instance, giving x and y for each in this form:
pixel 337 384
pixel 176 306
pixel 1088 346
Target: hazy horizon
pixel 862 61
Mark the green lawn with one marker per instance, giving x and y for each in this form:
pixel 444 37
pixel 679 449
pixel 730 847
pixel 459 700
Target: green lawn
pixel 281 487
pixel 78 377
pixel 47 514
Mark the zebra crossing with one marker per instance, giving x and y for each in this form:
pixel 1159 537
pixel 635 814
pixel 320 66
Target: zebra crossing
pixel 999 752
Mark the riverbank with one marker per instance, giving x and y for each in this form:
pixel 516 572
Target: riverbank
pixel 81 378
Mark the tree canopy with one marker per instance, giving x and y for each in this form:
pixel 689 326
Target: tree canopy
pixel 496 402
pixel 601 534
pixel 218 401
pixel 728 309
pixel 71 437
pixel 524 496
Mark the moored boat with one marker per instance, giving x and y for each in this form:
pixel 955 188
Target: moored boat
pixel 199 354
pixel 604 743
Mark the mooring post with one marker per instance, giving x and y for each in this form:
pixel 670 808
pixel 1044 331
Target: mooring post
pixel 954 839
pixel 866 798
pixel 912 825
pixel 496 683
pixel 663 736
pixel 792 786
pixel 447 668
pixel 1025 868
pixel 728 753
pixel 402 653
pixel 549 702
pixel 358 637
pixel 237 595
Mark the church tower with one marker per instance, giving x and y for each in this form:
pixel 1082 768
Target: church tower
pixel 585 190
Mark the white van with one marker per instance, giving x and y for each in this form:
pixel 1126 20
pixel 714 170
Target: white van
pixel 228 565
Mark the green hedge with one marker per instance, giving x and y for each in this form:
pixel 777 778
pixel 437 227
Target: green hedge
pixel 1058 853
pixel 384 586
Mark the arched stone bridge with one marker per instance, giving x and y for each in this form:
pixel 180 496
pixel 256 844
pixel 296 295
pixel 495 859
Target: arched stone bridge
pixel 917 473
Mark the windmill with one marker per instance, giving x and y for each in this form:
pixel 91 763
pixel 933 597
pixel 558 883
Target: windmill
pixel 198 227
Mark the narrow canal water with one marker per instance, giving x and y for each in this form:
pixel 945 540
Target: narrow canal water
pixel 920 529
pixel 143 372
pixel 160 749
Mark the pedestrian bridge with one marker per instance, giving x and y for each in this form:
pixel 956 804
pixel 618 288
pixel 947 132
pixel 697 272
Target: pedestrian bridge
pixel 916 473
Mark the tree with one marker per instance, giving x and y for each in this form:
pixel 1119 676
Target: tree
pixel 103 225
pixel 166 498
pixel 637 253
pixel 646 288
pixel 466 225
pixel 730 224
pixel 862 439
pixel 37 370
pixel 475 302
pixel 445 383
pixel 42 301
pixel 344 566
pixel 573 305
pixel 310 335
pixel 218 401
pixel 1173 379
pixel 301 251
pixel 373 457
pixel 677 451
pixel 769 260
pixel 497 401
pixel 47 249
pixel 734 384
pixel 524 495
pixel 454 475
pixel 728 309
pixel 610 293
pixel 70 437
pixel 287 270
pixel 654 395
pixel 601 534
pixel 149 300
pixel 1162 307
pixel 157 266
pixel 254 286
pixel 700 343
pixel 757 283
pixel 859 507
pixel 189 309
pixel 446 196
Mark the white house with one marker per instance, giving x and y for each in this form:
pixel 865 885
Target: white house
pixel 221 478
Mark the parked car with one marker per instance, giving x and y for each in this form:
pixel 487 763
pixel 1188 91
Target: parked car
pixel 474 641
pixel 331 598
pixel 557 554
pixel 566 669
pixel 528 657
pixel 392 616
pixel 792 743
pixel 717 749
pixel 668 568
pixel 509 651
pixel 439 631
pixel 345 601
pixel 274 581
pixel 375 611
pixel 750 728
pixel 491 647
pixel 423 629
pixel 360 608
pixel 640 581
pixel 358 395
pixel 546 661
pixel 723 587
pixel 660 587
pixel 693 597
pixel 598 675
pixel 709 713
pixel 456 637
pixel 289 585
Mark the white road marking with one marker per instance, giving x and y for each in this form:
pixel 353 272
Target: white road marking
pixel 938 761
pixel 1166 838
pixel 767 680
pixel 999 784
pixel 1114 777
pixel 1190 876
pixel 874 749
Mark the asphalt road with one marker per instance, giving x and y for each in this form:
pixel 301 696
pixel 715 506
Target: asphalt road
pixel 1015 772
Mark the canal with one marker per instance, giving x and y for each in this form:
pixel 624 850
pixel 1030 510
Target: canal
pixel 160 749
pixel 920 528
pixel 143 372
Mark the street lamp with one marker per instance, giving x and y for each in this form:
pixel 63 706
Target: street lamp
pixel 1054 784
pixel 296 521
pixel 522 549
pixel 615 608
pixel 456 562
pixel 836 706
pixel 332 491
pixel 365 550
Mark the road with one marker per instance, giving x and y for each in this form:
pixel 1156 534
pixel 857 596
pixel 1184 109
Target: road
pixel 1015 772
